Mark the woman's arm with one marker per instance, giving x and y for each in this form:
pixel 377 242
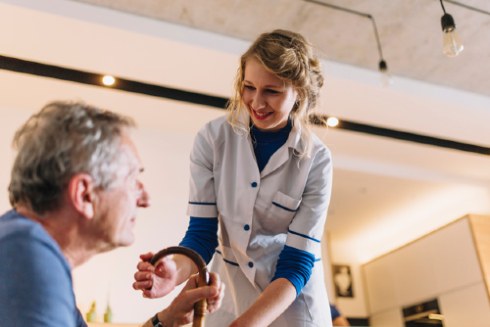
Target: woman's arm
pixel 273 301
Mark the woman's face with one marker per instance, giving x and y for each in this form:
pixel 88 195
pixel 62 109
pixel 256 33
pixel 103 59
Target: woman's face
pixel 268 98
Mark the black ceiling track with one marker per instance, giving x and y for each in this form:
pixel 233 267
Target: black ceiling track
pixel 84 77
pixel 404 136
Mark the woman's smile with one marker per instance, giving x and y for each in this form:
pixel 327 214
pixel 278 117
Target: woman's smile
pixel 261 115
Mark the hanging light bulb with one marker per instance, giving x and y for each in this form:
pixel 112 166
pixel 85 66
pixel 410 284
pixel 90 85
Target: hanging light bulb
pixel 451 44
pixel 385 74
pixel 382 65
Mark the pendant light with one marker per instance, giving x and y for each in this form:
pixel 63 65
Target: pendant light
pixel 382 65
pixel 451 44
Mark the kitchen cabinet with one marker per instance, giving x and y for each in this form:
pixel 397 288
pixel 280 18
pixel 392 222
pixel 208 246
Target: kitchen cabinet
pixel 450 264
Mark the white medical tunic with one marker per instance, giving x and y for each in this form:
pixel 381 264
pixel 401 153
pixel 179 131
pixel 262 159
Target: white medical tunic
pixel 259 213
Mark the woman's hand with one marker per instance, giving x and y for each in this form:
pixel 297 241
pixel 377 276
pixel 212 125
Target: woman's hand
pixel 155 281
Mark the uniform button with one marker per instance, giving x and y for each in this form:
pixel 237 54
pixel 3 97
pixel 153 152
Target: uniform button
pixel 250 264
pixel 246 227
pixel 254 184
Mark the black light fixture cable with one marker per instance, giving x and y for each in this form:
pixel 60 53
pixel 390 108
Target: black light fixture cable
pixel 382 65
pixel 443 9
pixel 468 7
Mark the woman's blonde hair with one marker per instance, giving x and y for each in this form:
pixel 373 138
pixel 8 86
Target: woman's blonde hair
pixel 289 56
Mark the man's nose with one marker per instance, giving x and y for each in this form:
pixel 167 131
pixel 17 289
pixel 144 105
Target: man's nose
pixel 144 198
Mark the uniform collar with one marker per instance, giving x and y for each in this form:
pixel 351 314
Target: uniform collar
pixel 294 139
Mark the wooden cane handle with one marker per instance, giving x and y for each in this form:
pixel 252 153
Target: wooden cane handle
pixel 203 277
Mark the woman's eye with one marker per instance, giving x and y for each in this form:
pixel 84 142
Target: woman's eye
pixel 249 87
pixel 272 91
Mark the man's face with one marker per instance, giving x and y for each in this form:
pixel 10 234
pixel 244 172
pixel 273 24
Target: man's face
pixel 116 206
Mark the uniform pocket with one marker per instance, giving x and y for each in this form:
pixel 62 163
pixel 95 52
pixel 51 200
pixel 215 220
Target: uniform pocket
pixel 286 202
pixel 280 213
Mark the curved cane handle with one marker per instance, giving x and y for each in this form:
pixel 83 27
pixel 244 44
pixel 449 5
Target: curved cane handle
pixel 203 277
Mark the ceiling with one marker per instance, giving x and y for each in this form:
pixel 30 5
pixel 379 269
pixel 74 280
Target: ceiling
pixel 409 31
pixel 381 186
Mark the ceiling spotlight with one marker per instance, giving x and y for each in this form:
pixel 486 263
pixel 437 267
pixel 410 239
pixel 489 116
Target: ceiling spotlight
pixel 332 121
pixel 108 80
pixel 451 44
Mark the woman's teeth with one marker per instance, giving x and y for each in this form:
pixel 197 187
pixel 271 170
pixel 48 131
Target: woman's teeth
pixel 261 115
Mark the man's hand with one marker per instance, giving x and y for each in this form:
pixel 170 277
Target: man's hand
pixel 181 310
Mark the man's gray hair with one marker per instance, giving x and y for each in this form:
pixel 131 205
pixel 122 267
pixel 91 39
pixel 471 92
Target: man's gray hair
pixel 61 140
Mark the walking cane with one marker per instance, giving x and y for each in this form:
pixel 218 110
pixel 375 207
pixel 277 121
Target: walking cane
pixel 203 277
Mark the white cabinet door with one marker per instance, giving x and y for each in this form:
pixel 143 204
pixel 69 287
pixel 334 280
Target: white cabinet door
pixel 441 262
pixel 468 306
pixel 455 259
pixel 390 318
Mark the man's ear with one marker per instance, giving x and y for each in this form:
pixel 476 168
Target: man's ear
pixel 82 197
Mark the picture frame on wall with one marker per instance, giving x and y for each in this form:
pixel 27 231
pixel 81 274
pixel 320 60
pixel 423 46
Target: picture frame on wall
pixel 342 278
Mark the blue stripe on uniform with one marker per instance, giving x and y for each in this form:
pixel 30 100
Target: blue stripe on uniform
pixel 226 260
pixel 303 235
pixel 203 203
pixel 283 207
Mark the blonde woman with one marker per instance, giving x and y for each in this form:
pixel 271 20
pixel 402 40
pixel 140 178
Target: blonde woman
pixel 265 180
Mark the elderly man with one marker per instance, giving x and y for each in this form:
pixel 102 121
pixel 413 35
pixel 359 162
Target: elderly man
pixel 75 191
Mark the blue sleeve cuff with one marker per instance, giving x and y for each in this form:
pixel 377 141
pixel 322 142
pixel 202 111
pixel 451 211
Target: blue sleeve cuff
pixel 334 311
pixel 296 266
pixel 202 236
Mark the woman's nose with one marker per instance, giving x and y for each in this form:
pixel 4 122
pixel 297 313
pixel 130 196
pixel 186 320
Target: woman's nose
pixel 258 101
